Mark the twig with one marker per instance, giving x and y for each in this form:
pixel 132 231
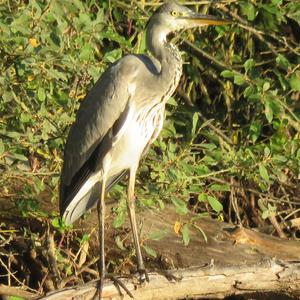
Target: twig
pixel 14 277
pixel 17 292
pixel 233 168
pixel 209 57
pixel 259 34
pixel 51 258
pixel 277 227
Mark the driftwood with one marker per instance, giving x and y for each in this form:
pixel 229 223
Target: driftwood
pixel 232 261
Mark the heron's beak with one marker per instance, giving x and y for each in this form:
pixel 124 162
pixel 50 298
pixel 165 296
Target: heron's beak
pixel 201 20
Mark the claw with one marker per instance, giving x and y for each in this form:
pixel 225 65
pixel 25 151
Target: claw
pixel 143 275
pixel 117 282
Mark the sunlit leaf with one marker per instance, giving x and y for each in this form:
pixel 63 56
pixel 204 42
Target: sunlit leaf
pixel 249 10
pixel 2 148
pixel 215 204
pixel 119 220
pixel 177 227
pixel 219 187
pixel 295 81
pixel 239 79
pixel 227 74
pixel 264 172
pixel 150 251
pixel 157 235
pixel 249 64
pixel 282 61
pixel 195 122
pixel 185 234
pixel 269 111
pixel 119 242
pixel 41 94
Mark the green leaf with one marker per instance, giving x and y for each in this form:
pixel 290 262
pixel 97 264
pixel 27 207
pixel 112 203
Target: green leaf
pixel 267 152
pixel 25 117
pixel 227 74
pixel 185 234
pixel 249 91
pixel 86 52
pixel 172 102
pixel 56 223
pixel 2 148
pixel 249 64
pixel 215 204
pixel 119 219
pixel 282 62
pixel 53 73
pixel 208 146
pixel 20 157
pixel 293 10
pixel 150 251
pixel 249 10
pixel 15 298
pixel 158 235
pixel 41 94
pixel 119 242
pixel 266 86
pixel 295 81
pixel 239 79
pixel 279 158
pixel 282 79
pixel 195 122
pixel 7 96
pixel 202 197
pixel 59 224
pixel 113 55
pixel 255 130
pixel 269 111
pixel 85 238
pixel 265 214
pixel 219 187
pixel 180 206
pixel 264 173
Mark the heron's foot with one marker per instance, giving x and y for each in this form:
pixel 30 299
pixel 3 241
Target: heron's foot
pixel 143 275
pixel 117 282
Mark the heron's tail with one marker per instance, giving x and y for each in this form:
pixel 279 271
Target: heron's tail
pixel 85 199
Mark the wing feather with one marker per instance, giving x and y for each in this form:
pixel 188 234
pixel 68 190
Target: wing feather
pixel 102 112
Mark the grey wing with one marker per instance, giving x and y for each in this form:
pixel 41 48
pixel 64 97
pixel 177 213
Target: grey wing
pixel 103 112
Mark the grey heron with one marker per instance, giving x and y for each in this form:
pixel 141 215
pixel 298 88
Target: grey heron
pixel 120 118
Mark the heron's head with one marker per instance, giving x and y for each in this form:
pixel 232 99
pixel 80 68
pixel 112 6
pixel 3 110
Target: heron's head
pixel 171 17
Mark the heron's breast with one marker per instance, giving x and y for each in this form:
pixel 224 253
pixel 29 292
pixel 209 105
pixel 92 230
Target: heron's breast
pixel 129 148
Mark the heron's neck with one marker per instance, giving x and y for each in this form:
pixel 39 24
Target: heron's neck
pixel 169 58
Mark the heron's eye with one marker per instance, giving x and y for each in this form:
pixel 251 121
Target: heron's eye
pixel 174 13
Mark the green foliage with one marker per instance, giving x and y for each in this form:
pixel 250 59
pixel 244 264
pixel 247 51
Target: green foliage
pixel 235 118
pixel 150 251
pixel 185 234
pixel 15 298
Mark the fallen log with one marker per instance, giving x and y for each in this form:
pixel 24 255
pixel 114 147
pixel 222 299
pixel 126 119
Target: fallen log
pixel 209 281
pixel 233 261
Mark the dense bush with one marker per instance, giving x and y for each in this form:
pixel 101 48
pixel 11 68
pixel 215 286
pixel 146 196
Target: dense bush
pixel 230 146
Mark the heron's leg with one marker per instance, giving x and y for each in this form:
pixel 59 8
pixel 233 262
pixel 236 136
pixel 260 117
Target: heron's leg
pixel 101 219
pixel 101 263
pixel 131 212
